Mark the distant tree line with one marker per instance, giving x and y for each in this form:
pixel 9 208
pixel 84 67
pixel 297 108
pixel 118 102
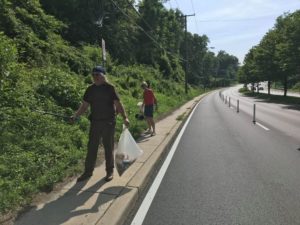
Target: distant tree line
pixel 277 57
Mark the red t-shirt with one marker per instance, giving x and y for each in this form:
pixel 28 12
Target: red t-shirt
pixel 149 98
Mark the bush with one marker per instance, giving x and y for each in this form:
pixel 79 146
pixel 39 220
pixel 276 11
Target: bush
pixel 36 152
pixel 296 87
pixel 8 55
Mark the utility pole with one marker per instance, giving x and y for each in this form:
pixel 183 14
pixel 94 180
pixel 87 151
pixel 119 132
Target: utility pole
pixel 186 52
pixel 103 52
pixel 102 41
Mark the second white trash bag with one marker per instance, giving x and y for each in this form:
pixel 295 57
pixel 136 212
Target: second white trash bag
pixel 128 151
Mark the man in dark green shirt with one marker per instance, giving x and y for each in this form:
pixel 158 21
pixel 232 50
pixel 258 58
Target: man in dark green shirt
pixel 104 102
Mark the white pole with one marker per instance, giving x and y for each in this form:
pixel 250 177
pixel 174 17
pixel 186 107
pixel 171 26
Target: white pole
pixel 254 113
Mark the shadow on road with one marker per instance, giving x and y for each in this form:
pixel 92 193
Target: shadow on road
pixel 289 102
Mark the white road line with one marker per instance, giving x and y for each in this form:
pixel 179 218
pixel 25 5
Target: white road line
pixel 142 212
pixel 262 126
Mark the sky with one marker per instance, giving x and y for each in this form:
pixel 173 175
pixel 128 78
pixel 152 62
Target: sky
pixel 233 25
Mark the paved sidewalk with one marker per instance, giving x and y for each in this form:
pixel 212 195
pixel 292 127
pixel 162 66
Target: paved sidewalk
pixel 96 202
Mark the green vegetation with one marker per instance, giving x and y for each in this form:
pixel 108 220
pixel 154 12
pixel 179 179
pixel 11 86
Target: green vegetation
pixel 47 50
pixel 276 58
pixel 152 36
pixel 181 117
pixel 296 87
pixel 48 47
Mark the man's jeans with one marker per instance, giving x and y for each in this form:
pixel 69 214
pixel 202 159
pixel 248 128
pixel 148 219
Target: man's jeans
pixel 100 130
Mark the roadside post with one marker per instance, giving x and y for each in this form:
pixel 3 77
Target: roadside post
pixel 254 113
pixel 238 106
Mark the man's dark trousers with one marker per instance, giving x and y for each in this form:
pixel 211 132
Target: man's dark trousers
pixel 104 130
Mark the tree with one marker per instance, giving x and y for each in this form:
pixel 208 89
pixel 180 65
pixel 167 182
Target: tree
pixel 197 48
pixel 277 56
pixel 88 21
pixel 287 50
pixel 228 65
pixel 265 59
pixel 249 72
pixel 209 68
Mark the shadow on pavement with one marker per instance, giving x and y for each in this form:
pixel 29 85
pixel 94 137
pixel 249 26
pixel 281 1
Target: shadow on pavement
pixel 70 205
pixel 144 137
pixel 289 102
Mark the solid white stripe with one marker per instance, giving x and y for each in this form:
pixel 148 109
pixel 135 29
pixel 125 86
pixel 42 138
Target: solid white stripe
pixel 262 126
pixel 142 212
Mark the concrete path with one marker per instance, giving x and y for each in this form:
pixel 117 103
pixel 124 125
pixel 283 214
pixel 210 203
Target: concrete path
pixel 96 202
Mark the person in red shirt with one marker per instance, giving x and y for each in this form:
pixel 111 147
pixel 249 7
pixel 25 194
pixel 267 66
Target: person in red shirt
pixel 148 105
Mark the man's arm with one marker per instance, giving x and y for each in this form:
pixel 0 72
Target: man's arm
pixel 82 109
pixel 121 110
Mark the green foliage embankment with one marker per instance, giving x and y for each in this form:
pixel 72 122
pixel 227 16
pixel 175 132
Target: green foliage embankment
pixel 39 150
pixel 41 72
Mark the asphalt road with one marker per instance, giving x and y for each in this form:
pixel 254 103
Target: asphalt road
pixel 285 118
pixel 227 170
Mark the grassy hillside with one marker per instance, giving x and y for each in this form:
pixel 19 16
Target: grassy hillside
pixel 39 150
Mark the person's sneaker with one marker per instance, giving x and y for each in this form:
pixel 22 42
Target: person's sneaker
pixel 153 133
pixel 148 131
pixel 84 176
pixel 109 176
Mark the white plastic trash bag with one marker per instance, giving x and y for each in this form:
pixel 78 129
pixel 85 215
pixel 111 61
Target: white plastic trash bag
pixel 128 151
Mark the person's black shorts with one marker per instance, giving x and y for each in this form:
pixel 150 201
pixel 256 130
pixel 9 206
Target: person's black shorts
pixel 148 111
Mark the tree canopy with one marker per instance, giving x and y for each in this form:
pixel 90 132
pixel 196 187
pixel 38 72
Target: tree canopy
pixel 144 34
pixel 276 58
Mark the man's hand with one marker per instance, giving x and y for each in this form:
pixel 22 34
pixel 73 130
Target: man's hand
pixel 126 122
pixel 73 119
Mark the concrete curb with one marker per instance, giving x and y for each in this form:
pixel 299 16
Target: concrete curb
pixel 111 203
pixel 120 209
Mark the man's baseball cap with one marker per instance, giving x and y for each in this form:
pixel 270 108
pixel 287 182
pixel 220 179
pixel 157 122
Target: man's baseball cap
pixel 98 69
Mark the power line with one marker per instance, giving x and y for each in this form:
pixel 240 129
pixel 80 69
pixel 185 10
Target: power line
pixel 148 35
pixel 195 17
pixel 170 4
pixel 233 20
pixel 186 52
pixel 138 13
pixel 177 4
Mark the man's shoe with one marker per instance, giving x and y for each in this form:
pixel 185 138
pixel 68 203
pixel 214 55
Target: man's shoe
pixel 84 176
pixel 148 131
pixel 109 177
